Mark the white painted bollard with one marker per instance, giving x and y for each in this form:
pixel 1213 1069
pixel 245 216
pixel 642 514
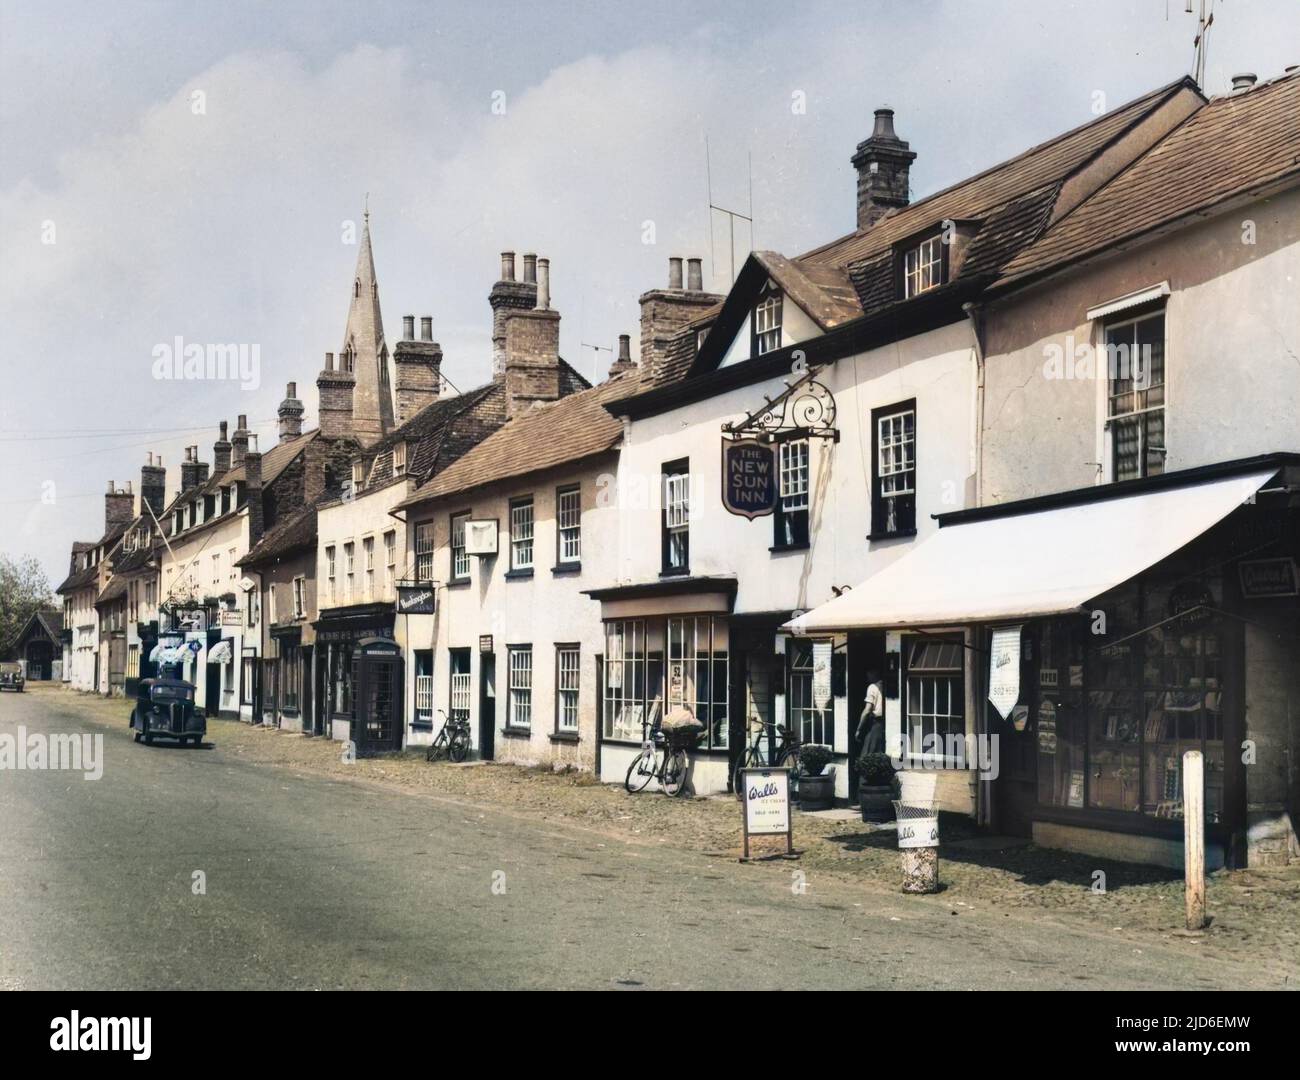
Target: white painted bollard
pixel 1194 837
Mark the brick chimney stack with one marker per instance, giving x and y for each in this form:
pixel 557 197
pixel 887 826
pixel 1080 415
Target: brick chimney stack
pixel 335 387
pixel 253 491
pixel 418 367
pixel 153 486
pixel 239 441
pixel 883 162
pixel 532 348
pixel 193 471
pixel 624 361
pixel 290 413
pixel 665 311
pixel 509 295
pixel 119 506
pixel 221 451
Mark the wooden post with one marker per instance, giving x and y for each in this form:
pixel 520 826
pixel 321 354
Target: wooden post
pixel 1194 837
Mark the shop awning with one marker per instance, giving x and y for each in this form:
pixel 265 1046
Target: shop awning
pixel 1038 561
pixel 220 652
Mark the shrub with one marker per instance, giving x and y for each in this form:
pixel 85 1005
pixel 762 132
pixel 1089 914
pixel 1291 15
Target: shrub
pixel 813 758
pixel 875 770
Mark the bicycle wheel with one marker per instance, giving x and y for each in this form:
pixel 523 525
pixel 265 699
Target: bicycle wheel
pixel 434 751
pixel 459 749
pixel 750 759
pixel 676 766
pixel 641 771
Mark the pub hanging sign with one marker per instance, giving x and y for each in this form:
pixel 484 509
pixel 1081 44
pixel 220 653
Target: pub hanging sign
pixel 748 478
pixel 415 599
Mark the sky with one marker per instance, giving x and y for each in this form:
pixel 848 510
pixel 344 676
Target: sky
pixel 199 170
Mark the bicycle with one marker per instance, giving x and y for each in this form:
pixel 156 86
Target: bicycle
pixel 661 758
pixel 785 755
pixel 453 740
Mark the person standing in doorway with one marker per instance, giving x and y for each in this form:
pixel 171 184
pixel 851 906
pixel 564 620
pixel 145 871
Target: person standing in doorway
pixel 871 724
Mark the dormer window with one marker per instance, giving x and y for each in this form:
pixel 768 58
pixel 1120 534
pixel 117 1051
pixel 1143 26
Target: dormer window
pixel 358 475
pixel 923 267
pixel 767 324
pixel 399 458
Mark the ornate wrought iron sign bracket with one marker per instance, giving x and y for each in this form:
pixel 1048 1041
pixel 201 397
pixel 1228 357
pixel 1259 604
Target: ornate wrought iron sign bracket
pixel 804 410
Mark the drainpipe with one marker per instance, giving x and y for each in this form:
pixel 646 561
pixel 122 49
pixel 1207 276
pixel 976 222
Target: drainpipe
pixel 977 344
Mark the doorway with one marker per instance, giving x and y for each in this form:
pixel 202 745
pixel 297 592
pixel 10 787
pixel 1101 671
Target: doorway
pixel 866 655
pixel 487 705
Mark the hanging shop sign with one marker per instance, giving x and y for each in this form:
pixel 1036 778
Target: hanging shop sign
pixel 232 618
pixel 1261 578
pixel 749 487
pixel 766 806
pixel 1004 669
pixel 415 599
pixel 485 643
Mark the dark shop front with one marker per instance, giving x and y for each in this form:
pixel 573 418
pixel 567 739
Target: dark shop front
pixel 363 676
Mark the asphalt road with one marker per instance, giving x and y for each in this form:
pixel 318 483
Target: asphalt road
pixel 313 883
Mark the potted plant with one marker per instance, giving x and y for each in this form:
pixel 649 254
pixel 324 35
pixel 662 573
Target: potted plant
pixel 876 786
pixel 816 786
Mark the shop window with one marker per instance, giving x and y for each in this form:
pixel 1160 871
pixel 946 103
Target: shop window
pixel 568 525
pixel 697 674
pixel 893 482
pixel 936 698
pixel 521 534
pixel 424 551
pixel 1114 720
pixel 567 678
pixel 341 661
pixel 627 681
pixel 790 521
pixel 459 556
pixel 1135 413
pixel 676 517
pixel 424 689
pixel 812 723
pixel 520 706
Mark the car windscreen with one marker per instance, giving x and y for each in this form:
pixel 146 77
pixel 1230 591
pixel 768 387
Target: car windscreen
pixel 171 693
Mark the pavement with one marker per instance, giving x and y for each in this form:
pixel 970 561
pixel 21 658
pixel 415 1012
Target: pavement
pixel 207 868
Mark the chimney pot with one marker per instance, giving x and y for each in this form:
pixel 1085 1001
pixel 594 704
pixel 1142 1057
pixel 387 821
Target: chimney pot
pixel 224 428
pixel 408 327
pixel 624 348
pixel 675 272
pixel 1244 81
pixel 530 268
pixel 243 422
pixel 507 266
pixel 426 327
pixel 543 284
pixel 695 275
pixel 884 128
pixel 110 487
pixel 329 361
pixel 291 390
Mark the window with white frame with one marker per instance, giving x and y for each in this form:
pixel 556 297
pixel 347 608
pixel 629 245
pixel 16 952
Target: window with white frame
pixel 767 324
pixel 923 267
pixel 329 573
pixel 633 680
pixel 349 568
pixel 521 534
pixel 814 722
pixel 790 521
pixel 423 688
pixel 520 713
pixel 936 698
pixel 399 458
pixel 390 561
pixel 676 517
pixel 424 551
pixel 270 604
pixel 568 524
pixel 1135 412
pixel 234 573
pixel 460 683
pixel 460 558
pixel 216 568
pixel 567 678
pixel 299 596
pixel 894 483
pixel 358 475
pixel 368 552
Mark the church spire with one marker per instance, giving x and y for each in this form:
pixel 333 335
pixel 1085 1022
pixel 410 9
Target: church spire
pixel 364 351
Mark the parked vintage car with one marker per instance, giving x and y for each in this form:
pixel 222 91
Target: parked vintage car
pixel 11 677
pixel 164 708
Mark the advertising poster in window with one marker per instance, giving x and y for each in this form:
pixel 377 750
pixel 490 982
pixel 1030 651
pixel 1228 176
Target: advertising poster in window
pixel 821 677
pixel 1004 669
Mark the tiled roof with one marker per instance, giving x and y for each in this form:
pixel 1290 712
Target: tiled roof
pixel 427 432
pixel 52 621
pixel 543 437
pixel 978 196
pixel 823 290
pixel 115 589
pixel 1234 145
pixel 79 579
pixel 296 533
pixel 274 461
